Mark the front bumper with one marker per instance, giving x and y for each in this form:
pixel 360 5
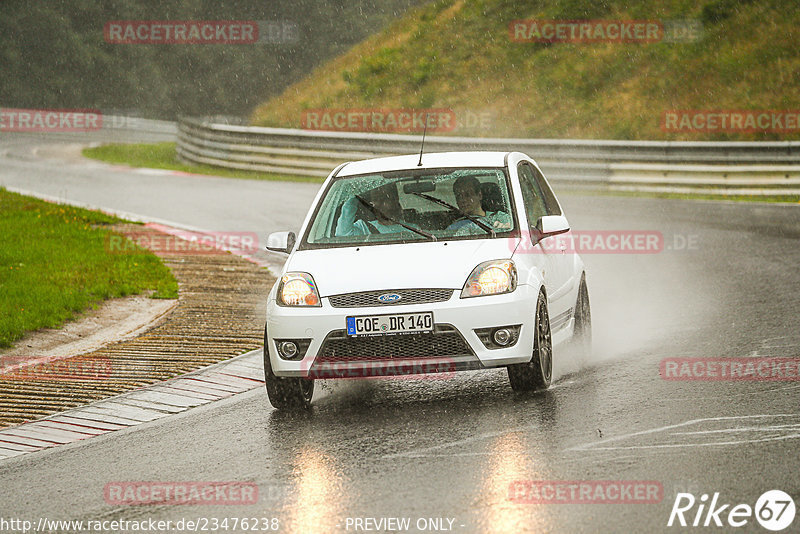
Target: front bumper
pixel 454 346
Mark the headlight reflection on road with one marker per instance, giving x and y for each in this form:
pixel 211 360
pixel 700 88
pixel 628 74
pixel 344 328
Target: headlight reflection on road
pixel 510 458
pixel 317 496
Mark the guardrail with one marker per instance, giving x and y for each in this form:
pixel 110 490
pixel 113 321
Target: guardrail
pixel 771 167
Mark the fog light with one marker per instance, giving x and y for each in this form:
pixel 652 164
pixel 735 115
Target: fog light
pixel 292 349
pixel 288 349
pixel 502 336
pixel 499 337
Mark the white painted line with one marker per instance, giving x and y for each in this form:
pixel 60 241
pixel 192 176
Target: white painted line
pixel 151 405
pixel 45 430
pixel 101 417
pixel 25 433
pixel 241 384
pixel 47 434
pixel 120 410
pixel 709 444
pixel 94 413
pixel 166 399
pixel 217 385
pixel 191 391
pixel 243 372
pixel 597 445
pixel 738 429
pixel 249 364
pixel 19 447
pixel 194 389
pixel 73 419
pixel 68 426
pixel 16 440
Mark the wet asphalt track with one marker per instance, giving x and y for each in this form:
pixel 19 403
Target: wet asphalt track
pixel 725 285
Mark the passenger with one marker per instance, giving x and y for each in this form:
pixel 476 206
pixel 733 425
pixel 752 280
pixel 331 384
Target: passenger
pixel 387 207
pixel 467 190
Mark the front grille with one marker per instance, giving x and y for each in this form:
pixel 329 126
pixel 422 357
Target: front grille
pixel 407 296
pixel 445 341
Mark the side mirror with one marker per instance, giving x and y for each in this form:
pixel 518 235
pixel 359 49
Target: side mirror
pixel 281 242
pixel 551 225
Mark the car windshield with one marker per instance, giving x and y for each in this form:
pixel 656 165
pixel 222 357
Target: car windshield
pixel 414 205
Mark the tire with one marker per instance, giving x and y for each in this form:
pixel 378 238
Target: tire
pixel 286 393
pixel 582 334
pixel 538 372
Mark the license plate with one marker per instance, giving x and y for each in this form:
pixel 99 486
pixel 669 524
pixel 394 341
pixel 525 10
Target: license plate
pixel 397 323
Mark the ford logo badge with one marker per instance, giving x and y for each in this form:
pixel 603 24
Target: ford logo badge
pixel 389 297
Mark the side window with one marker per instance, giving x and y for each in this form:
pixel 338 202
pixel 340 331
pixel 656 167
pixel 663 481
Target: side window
pixel 531 195
pixel 550 201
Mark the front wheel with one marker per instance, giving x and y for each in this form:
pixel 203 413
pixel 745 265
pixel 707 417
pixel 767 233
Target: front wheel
pixel 285 393
pixel 537 373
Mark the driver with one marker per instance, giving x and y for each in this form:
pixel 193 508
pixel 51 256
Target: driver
pixel 387 207
pixel 467 190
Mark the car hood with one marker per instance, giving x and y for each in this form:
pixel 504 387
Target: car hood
pixel 443 264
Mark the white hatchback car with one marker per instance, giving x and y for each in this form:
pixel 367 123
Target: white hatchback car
pixel 409 265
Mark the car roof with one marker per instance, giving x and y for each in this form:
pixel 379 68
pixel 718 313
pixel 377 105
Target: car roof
pixel 431 160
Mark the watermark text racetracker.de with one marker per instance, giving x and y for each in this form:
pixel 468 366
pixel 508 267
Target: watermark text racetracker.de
pixel 379 120
pixel 397 120
pixel 183 242
pixel 604 242
pixel 730 121
pixel 50 120
pixel 586 492
pixel 81 367
pixel 180 493
pixel 205 32
pixel 46 525
pixel 767 369
pixel 395 368
pixel 604 31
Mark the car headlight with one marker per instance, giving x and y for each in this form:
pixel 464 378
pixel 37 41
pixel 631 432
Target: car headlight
pixel 298 289
pixel 491 278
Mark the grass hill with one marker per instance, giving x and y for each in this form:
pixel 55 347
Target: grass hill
pixel 459 55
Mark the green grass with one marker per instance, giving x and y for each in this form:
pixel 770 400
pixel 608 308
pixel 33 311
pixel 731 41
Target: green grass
pixel 55 263
pixel 163 156
pixel 458 55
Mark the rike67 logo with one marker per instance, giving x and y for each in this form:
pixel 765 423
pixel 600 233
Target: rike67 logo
pixel 774 510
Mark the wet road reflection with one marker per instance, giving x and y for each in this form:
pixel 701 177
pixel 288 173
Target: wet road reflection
pixel 371 448
pixel 509 460
pixel 317 494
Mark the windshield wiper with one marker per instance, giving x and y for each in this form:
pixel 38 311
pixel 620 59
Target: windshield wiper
pixel 404 225
pixel 482 225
